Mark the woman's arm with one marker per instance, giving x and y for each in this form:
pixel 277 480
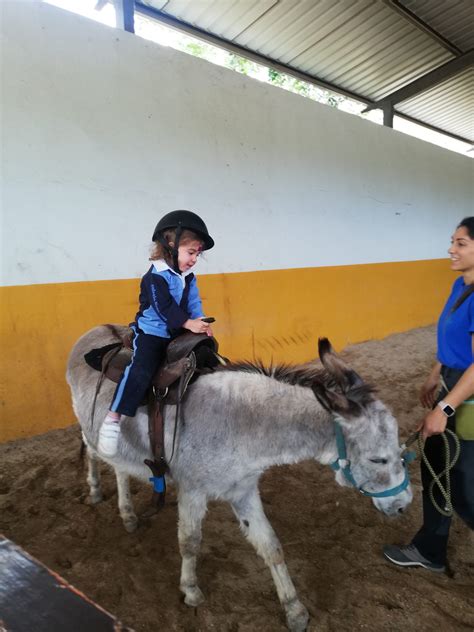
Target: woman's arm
pixel 435 421
pixel 430 387
pixel 463 389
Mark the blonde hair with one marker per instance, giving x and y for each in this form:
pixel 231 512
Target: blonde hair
pixel 158 250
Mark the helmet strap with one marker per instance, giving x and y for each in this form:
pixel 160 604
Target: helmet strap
pixel 160 237
pixel 174 251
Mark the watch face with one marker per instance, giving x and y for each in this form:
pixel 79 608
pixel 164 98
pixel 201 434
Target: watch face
pixel 447 409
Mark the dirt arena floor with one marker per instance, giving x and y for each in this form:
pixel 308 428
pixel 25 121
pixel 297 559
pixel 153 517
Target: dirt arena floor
pixel 332 537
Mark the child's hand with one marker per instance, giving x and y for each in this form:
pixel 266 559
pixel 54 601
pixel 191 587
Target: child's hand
pixel 197 326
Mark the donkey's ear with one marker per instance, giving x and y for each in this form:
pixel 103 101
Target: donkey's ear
pixel 332 400
pixel 321 395
pixel 337 367
pixel 324 347
pixel 354 378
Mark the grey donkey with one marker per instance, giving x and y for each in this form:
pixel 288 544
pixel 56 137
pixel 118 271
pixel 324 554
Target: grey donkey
pixel 236 423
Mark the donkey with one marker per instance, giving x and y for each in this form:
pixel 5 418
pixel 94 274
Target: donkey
pixel 236 423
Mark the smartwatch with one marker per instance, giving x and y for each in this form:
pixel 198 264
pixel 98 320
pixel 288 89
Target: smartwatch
pixel 447 409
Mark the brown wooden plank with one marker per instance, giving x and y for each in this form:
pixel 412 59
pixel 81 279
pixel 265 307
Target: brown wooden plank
pixel 34 598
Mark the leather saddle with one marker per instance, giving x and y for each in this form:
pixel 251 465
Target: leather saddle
pixel 196 352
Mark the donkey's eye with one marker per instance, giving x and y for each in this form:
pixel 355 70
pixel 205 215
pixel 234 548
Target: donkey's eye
pixel 381 461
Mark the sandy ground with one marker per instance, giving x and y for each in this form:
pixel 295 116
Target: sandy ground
pixel 332 537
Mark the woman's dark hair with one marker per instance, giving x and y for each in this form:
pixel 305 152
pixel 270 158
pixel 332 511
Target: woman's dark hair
pixel 468 223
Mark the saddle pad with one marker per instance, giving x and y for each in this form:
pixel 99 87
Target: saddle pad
pixel 166 375
pixel 94 357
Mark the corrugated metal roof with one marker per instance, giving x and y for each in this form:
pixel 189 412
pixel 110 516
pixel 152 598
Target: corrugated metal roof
pixel 444 105
pixel 452 19
pixel 366 48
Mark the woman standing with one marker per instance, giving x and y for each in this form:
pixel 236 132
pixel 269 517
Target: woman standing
pixel 454 371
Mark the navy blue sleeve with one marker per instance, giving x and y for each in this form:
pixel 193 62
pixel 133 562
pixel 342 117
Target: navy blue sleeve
pixel 164 304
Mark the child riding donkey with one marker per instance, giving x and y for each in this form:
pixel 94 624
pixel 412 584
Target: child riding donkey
pixel 169 302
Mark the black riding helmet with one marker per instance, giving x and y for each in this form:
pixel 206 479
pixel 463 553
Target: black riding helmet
pixel 181 220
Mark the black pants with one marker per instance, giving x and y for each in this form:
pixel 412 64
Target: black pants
pixel 432 539
pixel 148 353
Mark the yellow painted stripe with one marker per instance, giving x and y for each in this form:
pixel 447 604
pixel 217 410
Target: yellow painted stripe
pixel 273 315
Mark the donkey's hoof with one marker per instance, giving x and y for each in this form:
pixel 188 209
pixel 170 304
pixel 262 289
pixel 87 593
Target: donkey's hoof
pixel 297 616
pixel 130 523
pixel 94 498
pixel 193 596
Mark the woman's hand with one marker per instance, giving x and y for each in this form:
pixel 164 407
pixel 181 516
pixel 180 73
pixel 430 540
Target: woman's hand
pixel 197 326
pixel 434 423
pixel 428 391
pixel 430 387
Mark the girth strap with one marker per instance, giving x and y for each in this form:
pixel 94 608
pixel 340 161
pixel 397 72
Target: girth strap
pixel 158 465
pixel 156 403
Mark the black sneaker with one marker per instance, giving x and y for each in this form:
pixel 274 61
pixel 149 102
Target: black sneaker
pixel 410 556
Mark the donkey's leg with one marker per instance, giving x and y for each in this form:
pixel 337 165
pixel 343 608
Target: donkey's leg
pixel 93 477
pixel 259 532
pixel 127 512
pixel 191 508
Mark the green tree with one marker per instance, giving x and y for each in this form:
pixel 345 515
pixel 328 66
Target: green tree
pixel 240 64
pixel 198 49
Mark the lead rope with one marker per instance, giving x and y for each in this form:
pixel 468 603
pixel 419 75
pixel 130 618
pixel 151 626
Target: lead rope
pixel 448 510
pixel 445 491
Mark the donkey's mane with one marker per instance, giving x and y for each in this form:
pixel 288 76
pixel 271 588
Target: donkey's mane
pixel 310 375
pixel 301 375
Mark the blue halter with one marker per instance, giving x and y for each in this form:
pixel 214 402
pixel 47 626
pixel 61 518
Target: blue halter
pixel 343 463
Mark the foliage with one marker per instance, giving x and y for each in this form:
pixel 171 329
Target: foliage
pixel 241 64
pixel 270 75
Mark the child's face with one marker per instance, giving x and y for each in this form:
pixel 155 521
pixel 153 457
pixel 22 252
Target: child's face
pixel 188 254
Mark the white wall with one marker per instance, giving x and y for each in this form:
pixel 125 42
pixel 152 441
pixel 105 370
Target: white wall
pixel 103 132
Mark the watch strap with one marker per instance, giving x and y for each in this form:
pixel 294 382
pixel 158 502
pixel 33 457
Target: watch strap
pixel 447 409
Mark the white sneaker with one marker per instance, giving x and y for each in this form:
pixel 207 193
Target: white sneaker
pixel 108 438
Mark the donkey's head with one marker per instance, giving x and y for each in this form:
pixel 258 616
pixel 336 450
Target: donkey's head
pixel 369 455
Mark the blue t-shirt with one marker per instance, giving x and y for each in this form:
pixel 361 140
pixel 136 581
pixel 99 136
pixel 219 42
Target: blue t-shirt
pixel 455 329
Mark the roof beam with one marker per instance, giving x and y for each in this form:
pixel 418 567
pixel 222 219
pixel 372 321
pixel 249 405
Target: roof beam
pixel 125 12
pixel 388 114
pixel 433 128
pixel 420 24
pixel 215 40
pixel 431 79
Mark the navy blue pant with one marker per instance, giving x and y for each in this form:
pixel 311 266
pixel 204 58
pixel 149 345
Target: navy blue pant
pixel 432 539
pixel 148 353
